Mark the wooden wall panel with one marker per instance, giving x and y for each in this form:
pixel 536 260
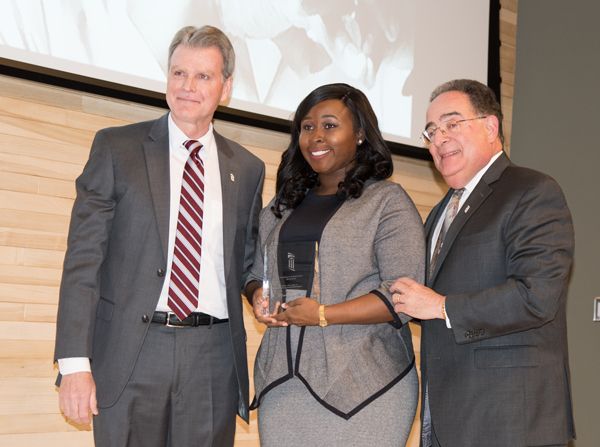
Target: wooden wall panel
pixel 48 439
pixel 508 40
pixel 31 220
pixel 19 293
pixel 45 136
pixel 27 349
pixel 10 312
pixel 22 330
pixel 25 164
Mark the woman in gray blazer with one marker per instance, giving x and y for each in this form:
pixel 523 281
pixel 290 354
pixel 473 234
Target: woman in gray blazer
pixel 336 364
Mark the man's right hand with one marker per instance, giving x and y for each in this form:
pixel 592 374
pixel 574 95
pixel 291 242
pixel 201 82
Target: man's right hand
pixel 77 396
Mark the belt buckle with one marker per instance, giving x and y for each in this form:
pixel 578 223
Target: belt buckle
pixel 168 324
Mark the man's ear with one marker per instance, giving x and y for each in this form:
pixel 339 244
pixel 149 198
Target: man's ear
pixel 492 126
pixel 227 88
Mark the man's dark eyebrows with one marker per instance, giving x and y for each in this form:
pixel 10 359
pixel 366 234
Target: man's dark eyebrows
pixel 443 118
pixel 448 115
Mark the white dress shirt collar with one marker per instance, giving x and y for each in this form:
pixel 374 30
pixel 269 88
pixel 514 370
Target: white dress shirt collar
pixel 177 137
pixel 473 183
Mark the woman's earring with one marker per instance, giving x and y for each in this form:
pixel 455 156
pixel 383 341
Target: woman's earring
pixel 360 142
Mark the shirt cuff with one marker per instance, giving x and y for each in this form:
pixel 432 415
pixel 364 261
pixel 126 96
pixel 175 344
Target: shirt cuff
pixel 448 325
pixel 73 365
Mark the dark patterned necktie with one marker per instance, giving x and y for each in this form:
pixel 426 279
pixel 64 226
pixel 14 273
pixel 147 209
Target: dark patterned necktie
pixel 185 270
pixel 451 212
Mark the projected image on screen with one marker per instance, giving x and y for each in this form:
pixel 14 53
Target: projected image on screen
pixel 369 46
pixel 284 48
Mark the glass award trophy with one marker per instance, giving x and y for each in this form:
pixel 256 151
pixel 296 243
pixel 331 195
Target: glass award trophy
pixel 265 290
pixel 290 271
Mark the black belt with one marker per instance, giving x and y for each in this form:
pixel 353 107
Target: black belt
pixel 193 320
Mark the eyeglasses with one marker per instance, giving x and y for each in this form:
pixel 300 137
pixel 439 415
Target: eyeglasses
pixel 450 127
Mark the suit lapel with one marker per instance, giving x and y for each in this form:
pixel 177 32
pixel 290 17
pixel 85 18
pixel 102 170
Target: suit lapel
pixel 230 179
pixel 156 153
pixel 476 198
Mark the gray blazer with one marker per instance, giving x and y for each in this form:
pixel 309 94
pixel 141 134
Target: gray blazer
pixel 367 244
pixel 500 376
pixel 117 250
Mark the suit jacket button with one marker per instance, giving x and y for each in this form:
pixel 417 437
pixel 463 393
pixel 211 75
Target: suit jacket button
pixel 160 272
pixel 145 319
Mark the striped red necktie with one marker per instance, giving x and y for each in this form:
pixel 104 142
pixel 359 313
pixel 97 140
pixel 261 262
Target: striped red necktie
pixel 185 269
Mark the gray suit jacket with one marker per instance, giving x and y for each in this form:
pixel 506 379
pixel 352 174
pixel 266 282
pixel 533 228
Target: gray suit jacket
pixel 365 246
pixel 117 250
pixel 500 376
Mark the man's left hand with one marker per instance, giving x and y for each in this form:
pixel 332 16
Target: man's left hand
pixel 416 300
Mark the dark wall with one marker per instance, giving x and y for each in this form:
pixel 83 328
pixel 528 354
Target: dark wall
pixel 556 129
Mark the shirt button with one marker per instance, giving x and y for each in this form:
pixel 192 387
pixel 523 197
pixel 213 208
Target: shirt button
pixel 160 272
pixel 145 319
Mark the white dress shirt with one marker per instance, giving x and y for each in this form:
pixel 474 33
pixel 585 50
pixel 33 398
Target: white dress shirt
pixel 468 190
pixel 212 298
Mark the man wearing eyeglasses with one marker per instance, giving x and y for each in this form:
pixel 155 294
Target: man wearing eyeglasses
pixel 494 358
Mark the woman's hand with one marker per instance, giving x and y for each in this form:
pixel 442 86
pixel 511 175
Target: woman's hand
pixel 260 306
pixel 300 312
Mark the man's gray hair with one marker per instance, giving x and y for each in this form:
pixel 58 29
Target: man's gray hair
pixel 204 37
pixel 482 98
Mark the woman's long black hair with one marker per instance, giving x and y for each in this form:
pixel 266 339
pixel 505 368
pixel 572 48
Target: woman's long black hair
pixel 295 177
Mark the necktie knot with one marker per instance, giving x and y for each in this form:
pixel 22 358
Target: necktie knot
pixel 193 147
pixel 458 193
pixel 190 145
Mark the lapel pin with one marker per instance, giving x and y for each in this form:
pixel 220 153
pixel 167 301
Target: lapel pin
pixel 232 177
pixel 467 208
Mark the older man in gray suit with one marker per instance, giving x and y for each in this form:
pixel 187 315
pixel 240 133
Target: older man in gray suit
pixel 495 369
pixel 162 233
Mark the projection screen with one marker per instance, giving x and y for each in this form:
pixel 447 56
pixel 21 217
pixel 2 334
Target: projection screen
pixel 396 51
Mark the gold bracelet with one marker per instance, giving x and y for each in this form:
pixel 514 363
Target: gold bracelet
pixel 322 320
pixel 444 309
